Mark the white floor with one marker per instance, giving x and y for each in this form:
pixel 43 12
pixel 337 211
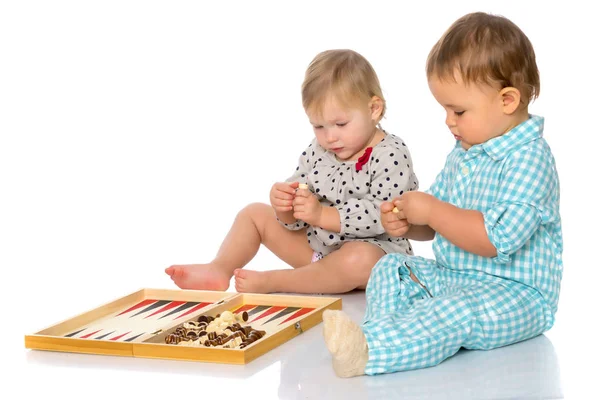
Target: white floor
pixel 555 365
pixel 301 369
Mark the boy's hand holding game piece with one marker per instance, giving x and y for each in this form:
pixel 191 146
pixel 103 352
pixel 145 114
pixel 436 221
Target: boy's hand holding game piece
pixel 415 207
pixel 391 221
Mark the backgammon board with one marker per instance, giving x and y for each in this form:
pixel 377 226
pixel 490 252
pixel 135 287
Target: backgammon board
pixel 220 327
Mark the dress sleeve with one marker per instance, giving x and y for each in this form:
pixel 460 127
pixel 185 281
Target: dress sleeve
pixel 526 200
pixel 391 174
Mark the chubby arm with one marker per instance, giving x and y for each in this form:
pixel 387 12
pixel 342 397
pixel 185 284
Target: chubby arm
pixel 421 233
pixel 463 228
pixel 330 219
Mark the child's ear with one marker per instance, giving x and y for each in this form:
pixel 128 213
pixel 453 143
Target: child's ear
pixel 511 98
pixel 376 108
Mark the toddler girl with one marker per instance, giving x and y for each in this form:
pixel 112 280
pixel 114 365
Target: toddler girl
pixel 324 220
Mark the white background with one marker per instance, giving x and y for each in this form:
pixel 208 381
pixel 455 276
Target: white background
pixel 133 132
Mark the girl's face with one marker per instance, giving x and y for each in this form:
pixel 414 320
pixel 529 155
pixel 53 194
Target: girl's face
pixel 344 131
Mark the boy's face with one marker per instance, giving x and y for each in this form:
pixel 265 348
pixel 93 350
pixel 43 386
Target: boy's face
pixel 344 131
pixel 474 112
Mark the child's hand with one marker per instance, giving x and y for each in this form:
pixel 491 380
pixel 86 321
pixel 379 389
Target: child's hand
pixel 415 207
pixel 282 196
pixel 392 223
pixel 307 207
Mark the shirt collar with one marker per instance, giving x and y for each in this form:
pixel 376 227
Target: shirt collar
pixel 530 130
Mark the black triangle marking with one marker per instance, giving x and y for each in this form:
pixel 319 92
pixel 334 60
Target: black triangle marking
pixel 75 333
pixel 257 309
pixel 283 312
pixel 159 303
pixel 103 336
pixel 181 308
pixel 135 337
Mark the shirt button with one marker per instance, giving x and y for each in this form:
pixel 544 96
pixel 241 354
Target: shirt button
pixel 465 170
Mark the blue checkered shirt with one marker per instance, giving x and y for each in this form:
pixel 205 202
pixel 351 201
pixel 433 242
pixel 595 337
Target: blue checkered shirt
pixel 512 180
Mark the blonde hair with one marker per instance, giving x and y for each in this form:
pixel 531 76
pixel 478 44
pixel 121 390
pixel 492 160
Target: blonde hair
pixel 488 49
pixel 343 74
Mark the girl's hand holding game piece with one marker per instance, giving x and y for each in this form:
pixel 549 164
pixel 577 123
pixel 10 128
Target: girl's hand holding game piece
pixel 307 207
pixel 282 196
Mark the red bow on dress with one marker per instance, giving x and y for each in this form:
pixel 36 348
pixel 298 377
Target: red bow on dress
pixel 363 159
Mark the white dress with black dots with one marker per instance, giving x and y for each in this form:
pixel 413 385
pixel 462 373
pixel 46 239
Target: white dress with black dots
pixel 357 195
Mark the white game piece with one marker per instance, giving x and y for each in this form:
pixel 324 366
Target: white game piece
pixel 227 316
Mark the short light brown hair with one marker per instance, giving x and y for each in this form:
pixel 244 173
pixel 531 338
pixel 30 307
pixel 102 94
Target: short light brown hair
pixel 343 74
pixel 490 49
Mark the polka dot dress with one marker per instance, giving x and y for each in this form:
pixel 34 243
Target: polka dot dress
pixel 356 195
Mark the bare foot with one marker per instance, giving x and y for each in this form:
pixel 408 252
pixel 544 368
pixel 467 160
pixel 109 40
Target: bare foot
pixel 346 343
pixel 247 281
pixel 199 276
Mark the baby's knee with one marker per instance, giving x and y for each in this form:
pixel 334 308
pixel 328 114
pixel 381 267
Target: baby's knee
pixel 254 211
pixel 358 260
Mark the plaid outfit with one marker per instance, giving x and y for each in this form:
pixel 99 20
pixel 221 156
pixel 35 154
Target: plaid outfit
pixel 467 300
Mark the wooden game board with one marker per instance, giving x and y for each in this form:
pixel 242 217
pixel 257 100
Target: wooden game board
pixel 136 325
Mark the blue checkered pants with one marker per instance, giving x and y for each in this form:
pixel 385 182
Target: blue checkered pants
pixel 410 325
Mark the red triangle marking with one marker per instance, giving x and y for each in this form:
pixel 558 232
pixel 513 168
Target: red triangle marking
pixel 244 308
pixel 120 336
pixel 167 307
pixel 270 311
pixel 297 314
pixel 196 307
pixel 89 334
pixel 142 304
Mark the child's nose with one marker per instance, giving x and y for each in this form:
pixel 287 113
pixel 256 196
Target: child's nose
pixel 450 119
pixel 330 136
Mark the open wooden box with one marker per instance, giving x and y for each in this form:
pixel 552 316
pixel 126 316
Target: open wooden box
pixel 136 325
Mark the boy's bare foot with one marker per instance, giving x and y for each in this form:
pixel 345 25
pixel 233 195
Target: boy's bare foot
pixel 346 343
pixel 199 277
pixel 248 281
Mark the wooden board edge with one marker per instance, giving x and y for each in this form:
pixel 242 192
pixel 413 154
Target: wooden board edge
pixel 188 295
pixel 187 353
pixel 39 342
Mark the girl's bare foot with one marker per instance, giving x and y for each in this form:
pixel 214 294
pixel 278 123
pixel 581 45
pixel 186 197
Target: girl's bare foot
pixel 346 343
pixel 248 281
pixel 199 276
